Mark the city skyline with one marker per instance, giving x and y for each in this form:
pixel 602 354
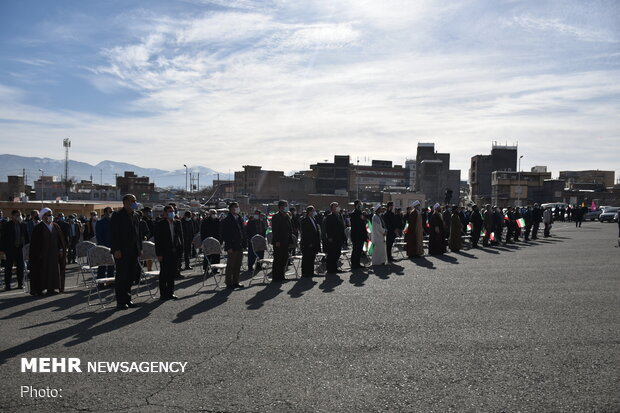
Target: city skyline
pixel 223 84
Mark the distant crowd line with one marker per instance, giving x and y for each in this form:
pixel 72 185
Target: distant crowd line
pixel 370 233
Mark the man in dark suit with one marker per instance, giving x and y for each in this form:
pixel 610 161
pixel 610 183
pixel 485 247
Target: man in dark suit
pixel 310 242
pixel 359 234
pixel 391 226
pixel 168 240
pixel 188 237
pixel 66 232
pixel 14 235
pixel 210 227
pixel 335 237
pixel 233 235
pixel 282 233
pixel 127 248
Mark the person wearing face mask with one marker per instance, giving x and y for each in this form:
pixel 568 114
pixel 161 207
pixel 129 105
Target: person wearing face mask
pixel 89 227
pixel 168 239
pixel 437 234
pixel 335 237
pixel 34 220
pixel 46 259
pixel 233 235
pixel 65 228
pixel 359 234
pixel 14 235
pixel 187 226
pixel 282 236
pixel 104 237
pixel 210 227
pixel 310 241
pixel 126 248
pixel 146 224
pixel 254 226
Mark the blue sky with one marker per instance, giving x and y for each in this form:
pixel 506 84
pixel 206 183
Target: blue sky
pixel 287 83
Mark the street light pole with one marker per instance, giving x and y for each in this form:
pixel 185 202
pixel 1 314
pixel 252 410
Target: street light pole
pixel 41 184
pixel 186 170
pixel 519 183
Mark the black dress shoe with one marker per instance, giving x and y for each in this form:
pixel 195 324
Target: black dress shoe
pixel 238 286
pixel 164 298
pixel 131 304
pixel 122 306
pixel 230 287
pixel 173 297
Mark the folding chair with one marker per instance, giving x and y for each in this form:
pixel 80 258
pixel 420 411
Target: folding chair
pixel 211 246
pixel 259 243
pixel 99 255
pixel 400 248
pixel 81 256
pixel 148 253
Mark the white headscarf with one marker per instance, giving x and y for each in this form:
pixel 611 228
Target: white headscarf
pixel 44 211
pixel 436 206
pixel 415 204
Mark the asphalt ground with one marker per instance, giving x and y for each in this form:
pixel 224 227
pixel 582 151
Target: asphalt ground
pixel 527 327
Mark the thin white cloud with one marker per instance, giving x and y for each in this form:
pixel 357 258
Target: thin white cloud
pixel 556 25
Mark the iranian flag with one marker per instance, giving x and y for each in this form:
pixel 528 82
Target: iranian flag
pixel 406 230
pixel 469 227
pixel 521 222
pixel 492 236
pixel 368 247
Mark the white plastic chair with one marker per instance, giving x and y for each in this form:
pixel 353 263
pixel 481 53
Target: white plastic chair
pixel 259 243
pixel 97 256
pixel 211 246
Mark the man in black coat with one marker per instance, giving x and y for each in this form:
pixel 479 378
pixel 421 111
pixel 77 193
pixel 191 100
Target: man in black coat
pixel 476 224
pixel 536 220
pixel 13 237
pixel 282 235
pixel 335 237
pixel 527 217
pixel 391 226
pixel 188 237
pixel 254 226
pixel 168 240
pixel 210 227
pixel 127 248
pixel 359 234
pixel 310 242
pixel 233 235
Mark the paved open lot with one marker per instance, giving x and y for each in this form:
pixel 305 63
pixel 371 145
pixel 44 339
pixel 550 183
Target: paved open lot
pixel 529 327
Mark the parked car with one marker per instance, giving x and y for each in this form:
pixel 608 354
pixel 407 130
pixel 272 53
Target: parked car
pixel 592 215
pixel 608 214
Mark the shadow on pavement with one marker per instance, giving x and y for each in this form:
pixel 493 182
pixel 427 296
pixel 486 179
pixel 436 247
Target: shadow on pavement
pixel 219 297
pixel 446 258
pixel 330 283
pixel 302 285
pixel 358 277
pixel 466 255
pixel 423 262
pixel 271 291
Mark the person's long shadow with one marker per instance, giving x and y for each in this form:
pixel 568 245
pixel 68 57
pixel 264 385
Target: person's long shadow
pixel 488 250
pixel 218 298
pixel 446 258
pixel 62 302
pixel 384 271
pixel 271 291
pixel 302 285
pixel 465 254
pixel 330 283
pixel 82 331
pixel 423 262
pixel 358 277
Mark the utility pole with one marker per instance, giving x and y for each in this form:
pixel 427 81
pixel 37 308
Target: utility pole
pixel 519 183
pixel 67 144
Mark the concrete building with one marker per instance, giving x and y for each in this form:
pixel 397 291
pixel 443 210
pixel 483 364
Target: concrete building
pixel 433 175
pixel 333 177
pixel 367 182
pixel 225 188
pixel 297 187
pixel 410 166
pixel 606 178
pixel 403 199
pixel 139 186
pixel 258 184
pixel 13 188
pixel 89 191
pixel 509 188
pixel 502 158
pixel 80 208
pixel 49 188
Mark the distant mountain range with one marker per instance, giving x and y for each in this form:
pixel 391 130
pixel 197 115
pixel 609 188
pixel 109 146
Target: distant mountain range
pixel 103 172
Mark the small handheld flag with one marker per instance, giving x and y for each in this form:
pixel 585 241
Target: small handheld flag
pixel 521 222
